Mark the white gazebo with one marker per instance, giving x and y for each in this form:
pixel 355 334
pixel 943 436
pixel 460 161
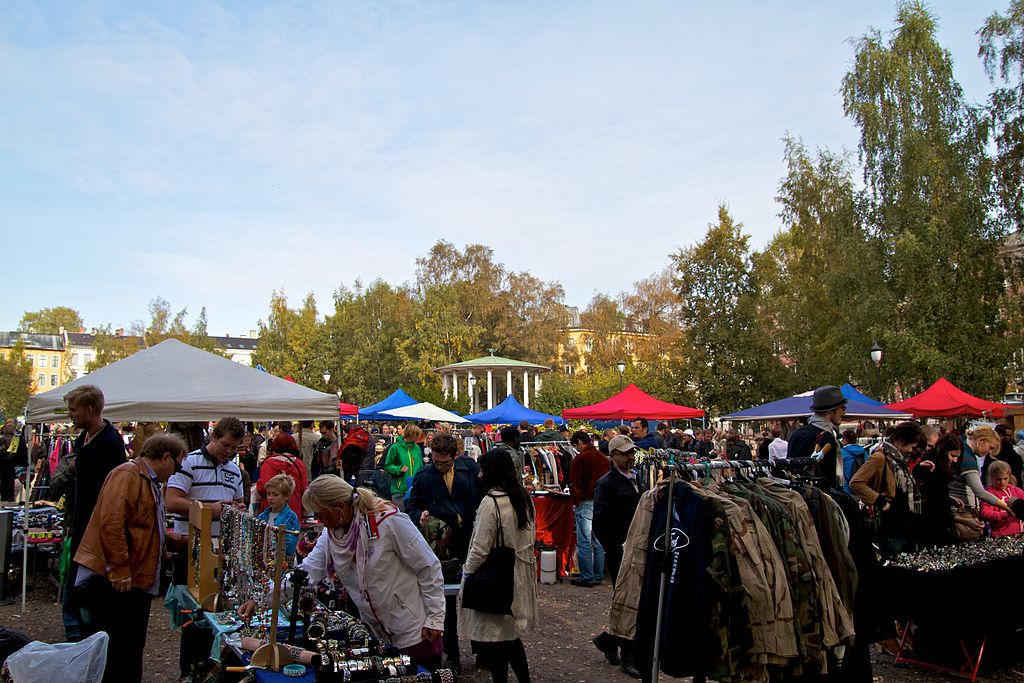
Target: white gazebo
pixel 472 372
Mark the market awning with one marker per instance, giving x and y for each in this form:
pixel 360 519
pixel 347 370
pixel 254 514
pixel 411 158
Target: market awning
pixel 799 406
pixel 852 394
pixel 425 411
pixel 398 399
pixel 629 403
pixel 511 411
pixel 944 399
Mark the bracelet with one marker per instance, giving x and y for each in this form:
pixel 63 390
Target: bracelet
pixel 294 670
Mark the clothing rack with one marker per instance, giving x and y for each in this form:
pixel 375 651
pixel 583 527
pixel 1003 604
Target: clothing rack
pixel 523 444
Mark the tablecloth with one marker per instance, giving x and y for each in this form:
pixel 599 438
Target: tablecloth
pixel 556 527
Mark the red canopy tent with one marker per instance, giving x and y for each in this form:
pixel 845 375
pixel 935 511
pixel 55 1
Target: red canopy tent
pixel 348 409
pixel 630 403
pixel 943 399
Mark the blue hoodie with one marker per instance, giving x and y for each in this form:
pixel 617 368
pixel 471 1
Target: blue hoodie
pixel 853 457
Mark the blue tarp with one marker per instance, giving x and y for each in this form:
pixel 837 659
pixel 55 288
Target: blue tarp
pixel 511 411
pixel 800 406
pixel 851 393
pixel 399 399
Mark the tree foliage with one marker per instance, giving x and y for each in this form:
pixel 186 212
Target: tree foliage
pixel 929 194
pixel 15 381
pixel 51 320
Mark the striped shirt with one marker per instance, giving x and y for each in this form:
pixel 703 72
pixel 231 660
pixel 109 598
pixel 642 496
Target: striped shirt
pixel 201 478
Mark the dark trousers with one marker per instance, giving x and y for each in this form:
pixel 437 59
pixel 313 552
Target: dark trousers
pixel 451 627
pixel 497 657
pixel 125 618
pixel 70 614
pixel 613 560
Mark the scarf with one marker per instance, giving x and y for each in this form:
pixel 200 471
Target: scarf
pixel 904 482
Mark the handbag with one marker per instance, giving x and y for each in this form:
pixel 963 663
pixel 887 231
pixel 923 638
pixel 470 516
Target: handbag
pixel 966 523
pixel 489 589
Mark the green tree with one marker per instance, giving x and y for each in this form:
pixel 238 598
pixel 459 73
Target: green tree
pixel 15 381
pixel 290 342
pixel 928 200
pixel 603 342
pixel 819 275
pixel 1001 48
pixel 51 320
pixel 729 361
pixel 111 346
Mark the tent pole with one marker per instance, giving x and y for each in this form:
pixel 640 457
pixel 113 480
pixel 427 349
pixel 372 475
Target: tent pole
pixel 27 493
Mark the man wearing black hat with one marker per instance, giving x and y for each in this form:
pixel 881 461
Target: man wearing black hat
pixel 817 438
pixel 510 443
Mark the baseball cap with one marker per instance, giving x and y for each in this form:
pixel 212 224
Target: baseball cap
pixel 688 432
pixel 620 443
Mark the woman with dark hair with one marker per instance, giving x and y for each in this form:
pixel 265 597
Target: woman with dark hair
pixel 283 457
pixel 884 484
pixel 936 503
pixel 506 511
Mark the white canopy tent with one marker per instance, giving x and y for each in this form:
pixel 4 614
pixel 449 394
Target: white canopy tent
pixel 175 382
pixel 426 411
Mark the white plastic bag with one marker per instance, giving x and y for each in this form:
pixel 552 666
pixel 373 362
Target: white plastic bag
pixel 59 662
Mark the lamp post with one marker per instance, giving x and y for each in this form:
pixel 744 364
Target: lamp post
pixel 327 380
pixel 472 394
pixel 876 358
pixel 621 367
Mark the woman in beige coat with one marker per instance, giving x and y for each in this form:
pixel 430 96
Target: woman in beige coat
pixel 496 638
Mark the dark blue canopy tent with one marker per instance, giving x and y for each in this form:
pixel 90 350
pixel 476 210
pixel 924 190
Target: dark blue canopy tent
pixel 800 406
pixel 378 411
pixel 511 411
pixel 851 393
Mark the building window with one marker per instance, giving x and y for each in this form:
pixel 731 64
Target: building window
pixel 41 380
pixel 572 342
pixel 54 361
pixel 31 359
pixel 588 345
pixel 74 359
pixel 53 380
pixel 86 358
pixel 568 369
pixel 42 361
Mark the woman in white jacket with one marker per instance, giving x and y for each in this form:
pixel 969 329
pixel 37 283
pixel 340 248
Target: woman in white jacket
pixel 496 638
pixel 389 571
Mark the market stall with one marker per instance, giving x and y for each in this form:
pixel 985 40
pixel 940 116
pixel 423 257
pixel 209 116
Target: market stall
pixel 510 412
pixel 944 399
pixel 799 407
pixel 629 403
pixel 379 410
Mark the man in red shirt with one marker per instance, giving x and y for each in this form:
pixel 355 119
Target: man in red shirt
pixel 587 467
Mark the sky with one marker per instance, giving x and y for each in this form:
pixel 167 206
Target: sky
pixel 213 152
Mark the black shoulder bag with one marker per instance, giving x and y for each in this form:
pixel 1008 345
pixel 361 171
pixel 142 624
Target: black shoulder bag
pixel 490 588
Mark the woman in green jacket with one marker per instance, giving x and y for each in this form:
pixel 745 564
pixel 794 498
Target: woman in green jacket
pixel 403 461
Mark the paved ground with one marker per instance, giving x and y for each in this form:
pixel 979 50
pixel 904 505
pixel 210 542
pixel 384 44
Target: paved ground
pixel 559 651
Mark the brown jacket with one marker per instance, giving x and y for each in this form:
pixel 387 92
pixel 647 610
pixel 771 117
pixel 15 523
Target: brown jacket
pixel 874 478
pixel 123 533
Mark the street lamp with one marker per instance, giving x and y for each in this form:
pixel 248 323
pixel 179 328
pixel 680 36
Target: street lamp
pixel 472 394
pixel 876 358
pixel 621 367
pixel 327 379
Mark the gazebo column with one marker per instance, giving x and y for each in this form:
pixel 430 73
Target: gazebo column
pixel 455 386
pixel 490 389
pixel 526 388
pixel 472 392
pixel 444 384
pixel 536 384
pixel 508 383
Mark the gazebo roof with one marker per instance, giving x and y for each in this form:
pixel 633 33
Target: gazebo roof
pixel 492 363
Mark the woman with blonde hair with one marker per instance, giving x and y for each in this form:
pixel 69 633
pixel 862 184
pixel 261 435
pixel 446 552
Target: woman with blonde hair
pixel 980 442
pixel 403 461
pixel 389 571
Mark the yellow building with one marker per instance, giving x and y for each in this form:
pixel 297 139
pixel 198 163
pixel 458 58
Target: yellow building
pixel 44 352
pixel 579 344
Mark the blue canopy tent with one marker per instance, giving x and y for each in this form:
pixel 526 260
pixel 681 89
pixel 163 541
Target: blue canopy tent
pixel 800 406
pixel 851 394
pixel 511 411
pixel 378 411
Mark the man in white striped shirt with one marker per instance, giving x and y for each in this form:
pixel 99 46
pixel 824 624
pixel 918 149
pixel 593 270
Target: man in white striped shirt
pixel 210 475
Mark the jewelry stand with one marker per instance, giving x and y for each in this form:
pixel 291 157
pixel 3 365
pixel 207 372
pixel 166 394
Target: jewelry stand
pixel 274 655
pixel 202 569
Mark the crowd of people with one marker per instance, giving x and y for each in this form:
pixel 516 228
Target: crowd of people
pixel 407 510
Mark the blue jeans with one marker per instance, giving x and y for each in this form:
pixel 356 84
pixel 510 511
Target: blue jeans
pixel 589 553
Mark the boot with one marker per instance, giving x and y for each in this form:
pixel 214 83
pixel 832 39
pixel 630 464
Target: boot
pixel 608 647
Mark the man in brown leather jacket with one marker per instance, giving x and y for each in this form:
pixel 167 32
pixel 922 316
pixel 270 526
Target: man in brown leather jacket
pixel 121 554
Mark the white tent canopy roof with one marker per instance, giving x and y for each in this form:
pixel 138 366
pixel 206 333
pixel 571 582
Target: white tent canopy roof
pixel 175 382
pixel 426 411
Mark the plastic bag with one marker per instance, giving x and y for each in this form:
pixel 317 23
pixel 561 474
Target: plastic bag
pixel 80 662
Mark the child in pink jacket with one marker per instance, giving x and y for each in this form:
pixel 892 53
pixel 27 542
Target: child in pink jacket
pixel 1003 523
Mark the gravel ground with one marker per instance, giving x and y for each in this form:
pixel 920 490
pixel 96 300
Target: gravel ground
pixel 559 651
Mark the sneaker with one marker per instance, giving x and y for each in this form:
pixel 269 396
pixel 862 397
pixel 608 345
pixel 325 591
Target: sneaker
pixel 581 584
pixel 607 646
